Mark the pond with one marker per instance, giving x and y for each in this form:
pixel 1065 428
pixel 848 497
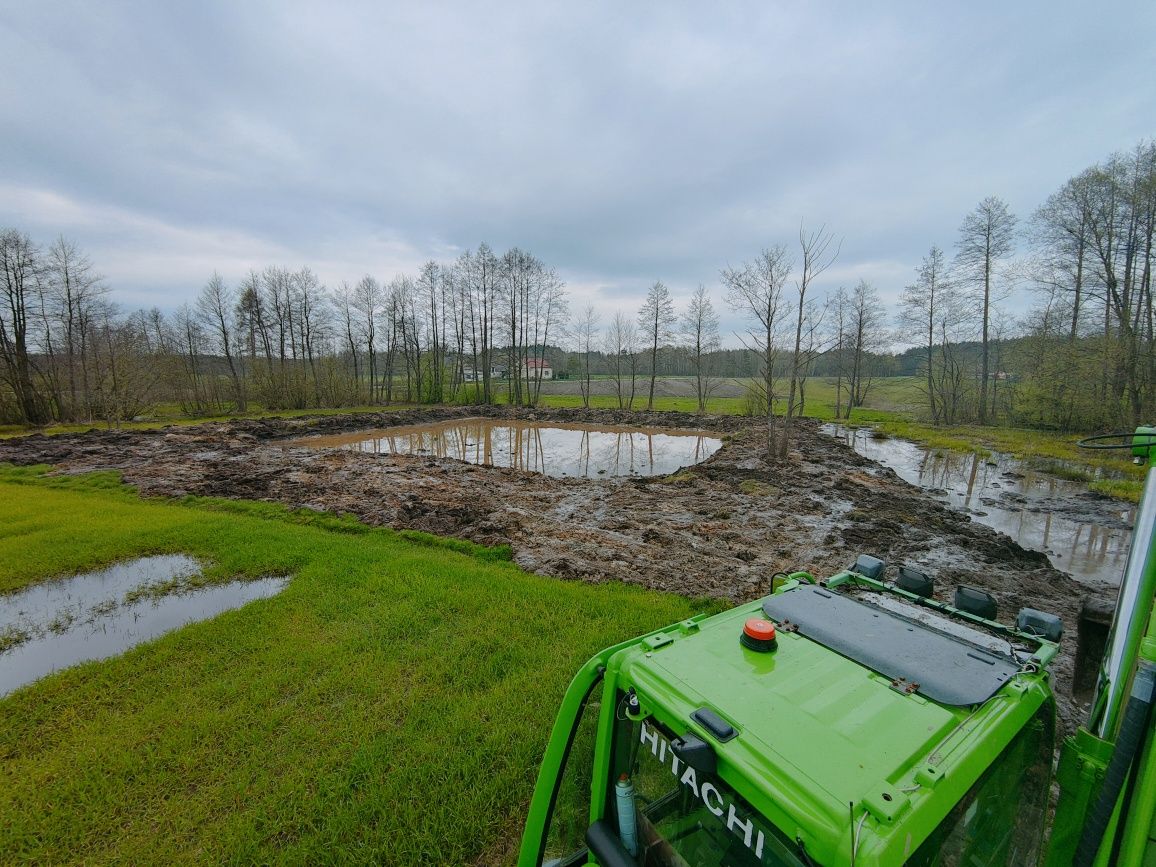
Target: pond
pixel 101 614
pixel 550 448
pixel 1082 533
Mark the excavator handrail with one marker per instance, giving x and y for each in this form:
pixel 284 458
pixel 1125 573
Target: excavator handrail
pixel 1095 442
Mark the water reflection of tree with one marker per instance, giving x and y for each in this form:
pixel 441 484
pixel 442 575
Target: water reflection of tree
pixel 581 452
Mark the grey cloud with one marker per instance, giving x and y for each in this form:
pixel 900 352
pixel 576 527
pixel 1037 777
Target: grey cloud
pixel 620 143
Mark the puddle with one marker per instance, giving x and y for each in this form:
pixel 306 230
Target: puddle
pixel 550 448
pixel 1083 534
pixel 102 614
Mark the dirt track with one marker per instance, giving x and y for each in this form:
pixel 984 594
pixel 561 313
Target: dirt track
pixel 720 529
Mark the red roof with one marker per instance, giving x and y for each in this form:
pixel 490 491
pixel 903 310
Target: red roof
pixel 536 362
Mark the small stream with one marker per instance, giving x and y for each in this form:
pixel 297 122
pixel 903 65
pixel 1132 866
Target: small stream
pixel 1083 533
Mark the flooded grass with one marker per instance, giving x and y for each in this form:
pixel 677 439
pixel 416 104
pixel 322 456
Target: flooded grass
pixel 1060 469
pixel 550 448
pixel 53 624
pixel 316 726
pixel 11 636
pixel 1119 489
pixel 101 614
pixel 1039 502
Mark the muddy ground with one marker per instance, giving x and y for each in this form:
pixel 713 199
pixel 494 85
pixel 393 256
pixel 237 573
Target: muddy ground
pixel 720 529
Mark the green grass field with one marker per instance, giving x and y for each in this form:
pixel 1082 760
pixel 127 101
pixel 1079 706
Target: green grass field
pixel 390 705
pixel 716 405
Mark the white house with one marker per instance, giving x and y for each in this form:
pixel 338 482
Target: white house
pixel 537 368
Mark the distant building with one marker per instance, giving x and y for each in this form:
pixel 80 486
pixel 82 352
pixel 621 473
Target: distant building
pixel 537 368
pixel 469 374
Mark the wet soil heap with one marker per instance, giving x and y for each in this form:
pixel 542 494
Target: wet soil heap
pixel 720 528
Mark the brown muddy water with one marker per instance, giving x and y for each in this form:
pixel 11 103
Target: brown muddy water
pixel 1082 533
pixel 101 614
pixel 553 449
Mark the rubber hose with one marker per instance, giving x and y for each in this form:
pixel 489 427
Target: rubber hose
pixel 1131 731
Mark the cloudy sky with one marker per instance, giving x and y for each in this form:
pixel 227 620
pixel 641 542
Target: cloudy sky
pixel 619 142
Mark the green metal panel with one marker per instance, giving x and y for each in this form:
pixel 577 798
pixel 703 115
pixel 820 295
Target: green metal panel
pixel 1138 844
pixel 1130 622
pixel 1082 763
pixel 821 738
pixel 557 748
pixel 1132 638
pixel 825 745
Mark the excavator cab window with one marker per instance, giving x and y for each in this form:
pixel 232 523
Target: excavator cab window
pixel 1000 820
pixel 682 816
pixel 565 837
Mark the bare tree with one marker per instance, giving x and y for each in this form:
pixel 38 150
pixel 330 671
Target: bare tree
pixel 921 308
pixel 398 295
pixel 549 310
pixel 1122 223
pixel 74 289
pixel 756 291
pixel 1061 229
pixel 866 335
pixel 517 272
pixel 655 318
pixel 367 302
pixel 347 319
pixel 701 339
pixel 253 325
pixel 951 371
pixel 534 303
pixel 20 272
pixel 312 317
pixel 430 285
pixel 467 309
pixel 214 309
pixel 195 386
pixel 985 239
pixel 840 303
pixel 585 333
pixel 486 295
pixel 404 310
pixel 818 256
pixel 125 373
pixel 622 347
pixel 278 309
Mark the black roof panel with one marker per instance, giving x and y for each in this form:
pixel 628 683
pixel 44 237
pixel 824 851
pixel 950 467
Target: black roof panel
pixel 946 669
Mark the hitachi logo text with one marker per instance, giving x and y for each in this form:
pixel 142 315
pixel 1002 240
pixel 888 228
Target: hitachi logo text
pixel 714 800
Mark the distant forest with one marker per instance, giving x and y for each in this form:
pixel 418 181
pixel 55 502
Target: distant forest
pixel 481 328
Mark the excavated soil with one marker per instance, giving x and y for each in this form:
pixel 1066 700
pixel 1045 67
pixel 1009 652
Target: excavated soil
pixel 721 528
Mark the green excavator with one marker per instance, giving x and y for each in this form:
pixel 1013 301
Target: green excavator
pixel 856 720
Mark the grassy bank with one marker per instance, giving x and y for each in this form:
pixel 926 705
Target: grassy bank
pixel 169 414
pixel 390 705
